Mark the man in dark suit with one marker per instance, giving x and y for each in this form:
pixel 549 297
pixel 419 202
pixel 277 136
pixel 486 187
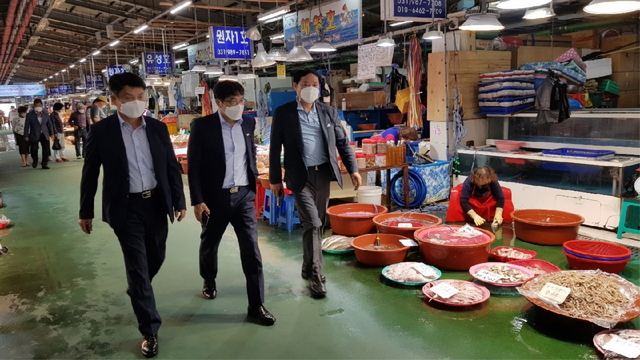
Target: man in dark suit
pixel 310 133
pixel 222 183
pixel 141 186
pixel 38 129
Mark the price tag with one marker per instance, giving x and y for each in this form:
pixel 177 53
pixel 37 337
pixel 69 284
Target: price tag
pixel 408 242
pixel 488 276
pixel 444 290
pixel 424 270
pixel 554 293
pixel 623 347
pixel 405 225
pixel 199 90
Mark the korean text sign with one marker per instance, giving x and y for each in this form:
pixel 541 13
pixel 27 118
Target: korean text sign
pixel 158 63
pixel 230 43
pixel 414 10
pixel 112 70
pixel 98 78
pixel 64 88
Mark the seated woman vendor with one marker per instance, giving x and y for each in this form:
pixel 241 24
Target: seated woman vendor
pixel 480 198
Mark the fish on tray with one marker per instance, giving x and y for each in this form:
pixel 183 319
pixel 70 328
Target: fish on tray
pixel 337 242
pixel 411 272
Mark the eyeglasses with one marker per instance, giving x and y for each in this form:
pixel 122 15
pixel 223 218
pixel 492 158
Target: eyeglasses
pixel 234 102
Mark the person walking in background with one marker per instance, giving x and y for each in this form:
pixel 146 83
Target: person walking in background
pixel 97 111
pixel 58 131
pixel 222 182
pixel 310 133
pixel 13 114
pixel 38 130
pixel 78 119
pixel 17 124
pixel 141 186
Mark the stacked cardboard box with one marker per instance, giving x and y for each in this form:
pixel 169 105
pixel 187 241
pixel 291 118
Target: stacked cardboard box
pixel 626 68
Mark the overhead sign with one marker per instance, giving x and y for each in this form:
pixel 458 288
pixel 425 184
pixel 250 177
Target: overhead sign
pixel 341 21
pixel 22 90
pixel 64 88
pixel 201 52
pixel 96 79
pixel 158 63
pixel 414 10
pixel 230 43
pixel 54 90
pixel 117 69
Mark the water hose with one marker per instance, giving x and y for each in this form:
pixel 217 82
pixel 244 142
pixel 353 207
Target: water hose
pixel 416 183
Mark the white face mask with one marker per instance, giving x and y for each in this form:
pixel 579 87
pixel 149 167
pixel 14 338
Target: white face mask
pixel 234 112
pixel 38 109
pixel 81 111
pixel 309 94
pixel 22 115
pixel 133 109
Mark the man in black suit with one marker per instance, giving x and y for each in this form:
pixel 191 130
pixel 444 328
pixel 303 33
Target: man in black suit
pixel 38 129
pixel 141 186
pixel 310 132
pixel 222 183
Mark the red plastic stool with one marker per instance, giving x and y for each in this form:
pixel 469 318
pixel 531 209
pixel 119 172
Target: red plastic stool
pixel 260 192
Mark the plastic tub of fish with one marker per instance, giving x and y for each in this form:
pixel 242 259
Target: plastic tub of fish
pixel 454 247
pixel 546 227
pixel 620 337
pixel 508 253
pixel 337 244
pixel 354 219
pixel 501 274
pixel 411 273
pixel 456 292
pixel 536 266
pixel 390 251
pixel 404 224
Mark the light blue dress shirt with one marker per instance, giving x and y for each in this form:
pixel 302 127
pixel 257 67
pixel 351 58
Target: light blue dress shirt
pixel 141 172
pixel 314 152
pixel 235 154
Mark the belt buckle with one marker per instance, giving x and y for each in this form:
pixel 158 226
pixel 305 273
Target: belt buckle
pixel 146 194
pixel 234 189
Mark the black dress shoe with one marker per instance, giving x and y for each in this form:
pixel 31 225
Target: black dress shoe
pixel 263 315
pixel 209 289
pixel 149 346
pixel 34 164
pixel 45 167
pixel 317 286
pixel 304 275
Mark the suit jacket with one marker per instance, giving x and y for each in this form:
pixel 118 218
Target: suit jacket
pixel 33 129
pixel 286 131
pixel 105 148
pixel 206 158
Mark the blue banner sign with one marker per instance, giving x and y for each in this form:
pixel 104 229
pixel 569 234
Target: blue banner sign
pixel 22 90
pixel 415 10
pixel 64 88
pixel 230 43
pixel 158 63
pixel 97 78
pixel 54 90
pixel 340 21
pixel 117 69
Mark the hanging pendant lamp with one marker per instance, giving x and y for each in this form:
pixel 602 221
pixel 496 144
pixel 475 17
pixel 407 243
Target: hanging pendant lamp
pixel 261 60
pixel 298 53
pixel 611 7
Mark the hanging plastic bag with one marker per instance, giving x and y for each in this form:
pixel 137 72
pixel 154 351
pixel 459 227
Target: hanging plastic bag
pixel 56 144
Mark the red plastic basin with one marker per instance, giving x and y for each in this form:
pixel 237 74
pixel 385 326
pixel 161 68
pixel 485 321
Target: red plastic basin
pixel 453 257
pixel 379 257
pixel 344 224
pixel 598 249
pixel 546 227
pixel 393 228
pixel 578 263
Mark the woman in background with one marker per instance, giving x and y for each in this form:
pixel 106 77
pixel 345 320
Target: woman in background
pixel 17 124
pixel 58 131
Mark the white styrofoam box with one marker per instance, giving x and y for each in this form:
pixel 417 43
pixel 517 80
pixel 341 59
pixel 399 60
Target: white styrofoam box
pixel 598 68
pixel 439 151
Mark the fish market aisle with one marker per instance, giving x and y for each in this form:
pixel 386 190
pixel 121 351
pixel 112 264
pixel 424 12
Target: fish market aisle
pixel 62 295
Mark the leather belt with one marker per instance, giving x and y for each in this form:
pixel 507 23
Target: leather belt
pixel 144 195
pixel 317 167
pixel 234 189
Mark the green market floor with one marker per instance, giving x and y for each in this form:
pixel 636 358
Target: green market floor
pixel 62 295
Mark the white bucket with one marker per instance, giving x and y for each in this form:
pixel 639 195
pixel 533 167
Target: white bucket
pixel 370 195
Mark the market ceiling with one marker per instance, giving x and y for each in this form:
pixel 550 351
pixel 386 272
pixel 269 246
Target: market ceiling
pixel 44 37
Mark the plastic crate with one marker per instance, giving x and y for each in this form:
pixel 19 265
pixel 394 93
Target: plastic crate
pixel 603 100
pixel 580 153
pixel 609 86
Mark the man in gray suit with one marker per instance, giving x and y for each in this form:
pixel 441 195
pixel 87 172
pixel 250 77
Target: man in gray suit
pixel 38 129
pixel 310 133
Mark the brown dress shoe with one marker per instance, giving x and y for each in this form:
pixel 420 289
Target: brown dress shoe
pixel 65 159
pixel 58 160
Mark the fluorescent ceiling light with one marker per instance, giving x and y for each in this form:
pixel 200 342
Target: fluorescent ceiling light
pixel 72 66
pixel 540 13
pixel 83 60
pixel 261 60
pixel 199 68
pixel 603 7
pixel 207 36
pixel 96 53
pixel 180 7
pixel 51 77
pixel 401 23
pixel 273 14
pixel 180 46
pixel 114 43
pixel 141 28
pixel 65 70
pixel 482 22
pixel 277 36
pixel 179 61
pixel 520 4
pixel 386 41
pixel 298 53
pixel 321 47
pixel 133 61
pixel 57 74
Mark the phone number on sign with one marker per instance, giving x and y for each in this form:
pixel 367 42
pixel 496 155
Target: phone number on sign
pixel 416 11
pixel 233 52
